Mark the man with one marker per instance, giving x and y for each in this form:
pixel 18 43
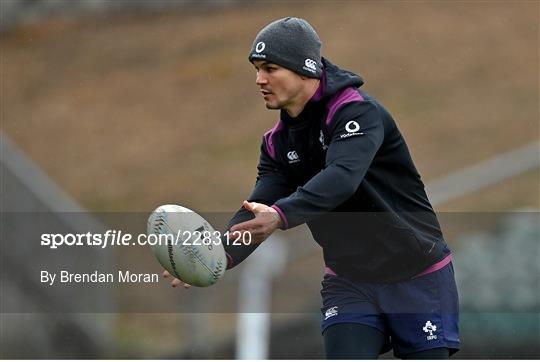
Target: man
pixel 336 161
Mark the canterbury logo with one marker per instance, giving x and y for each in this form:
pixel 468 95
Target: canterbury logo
pixel 331 312
pixel 292 156
pixel 311 64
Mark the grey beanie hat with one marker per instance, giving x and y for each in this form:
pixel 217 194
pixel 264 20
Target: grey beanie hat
pixel 291 43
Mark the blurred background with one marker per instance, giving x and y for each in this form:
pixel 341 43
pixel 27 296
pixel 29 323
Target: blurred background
pixel 121 106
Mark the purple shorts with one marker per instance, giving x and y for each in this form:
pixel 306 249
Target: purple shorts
pixel 415 315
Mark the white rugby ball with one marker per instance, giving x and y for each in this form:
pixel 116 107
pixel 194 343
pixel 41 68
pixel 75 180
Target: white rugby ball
pixel 182 249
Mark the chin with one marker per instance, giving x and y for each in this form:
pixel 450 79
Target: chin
pixel 272 106
pixel 275 104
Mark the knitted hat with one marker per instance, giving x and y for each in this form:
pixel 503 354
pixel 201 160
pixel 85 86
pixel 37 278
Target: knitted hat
pixel 291 43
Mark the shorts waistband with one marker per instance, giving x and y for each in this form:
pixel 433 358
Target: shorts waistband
pixel 433 268
pixel 437 266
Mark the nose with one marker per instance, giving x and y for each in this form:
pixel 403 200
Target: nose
pixel 261 78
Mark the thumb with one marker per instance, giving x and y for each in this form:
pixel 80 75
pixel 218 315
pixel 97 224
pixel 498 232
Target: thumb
pixel 249 206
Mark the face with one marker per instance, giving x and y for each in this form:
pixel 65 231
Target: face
pixel 280 87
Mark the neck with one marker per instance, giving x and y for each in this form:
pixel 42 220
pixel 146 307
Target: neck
pixel 304 96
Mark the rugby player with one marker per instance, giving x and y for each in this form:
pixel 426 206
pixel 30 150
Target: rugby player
pixel 336 161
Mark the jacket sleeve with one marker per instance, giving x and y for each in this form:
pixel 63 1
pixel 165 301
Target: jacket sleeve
pixel 356 134
pixel 271 185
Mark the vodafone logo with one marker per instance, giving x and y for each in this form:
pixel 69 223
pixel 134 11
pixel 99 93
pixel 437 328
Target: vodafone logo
pixel 352 126
pixel 260 47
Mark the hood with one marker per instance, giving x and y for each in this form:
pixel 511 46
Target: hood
pixel 334 79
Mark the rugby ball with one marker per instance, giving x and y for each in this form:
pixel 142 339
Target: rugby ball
pixel 186 245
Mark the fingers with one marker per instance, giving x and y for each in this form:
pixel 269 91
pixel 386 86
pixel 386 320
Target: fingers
pixel 175 282
pixel 258 232
pixel 245 226
pixel 252 226
pixel 265 222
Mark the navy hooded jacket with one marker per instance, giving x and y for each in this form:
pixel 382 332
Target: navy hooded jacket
pixel 343 167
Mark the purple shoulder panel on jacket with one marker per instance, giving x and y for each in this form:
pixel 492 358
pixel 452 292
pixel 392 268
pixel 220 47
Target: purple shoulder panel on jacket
pixel 347 95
